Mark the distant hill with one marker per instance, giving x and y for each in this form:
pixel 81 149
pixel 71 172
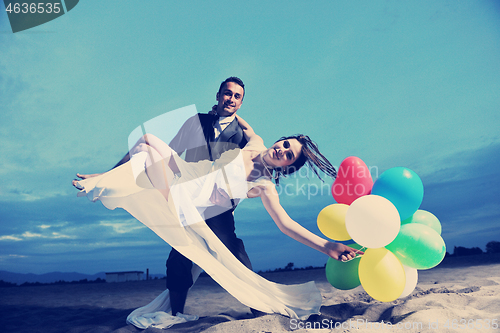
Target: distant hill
pixel 19 278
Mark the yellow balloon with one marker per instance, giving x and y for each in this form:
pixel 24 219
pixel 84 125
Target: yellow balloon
pixel 381 274
pixel 331 222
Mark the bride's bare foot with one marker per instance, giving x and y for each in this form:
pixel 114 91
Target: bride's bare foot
pixel 88 176
pixel 76 185
pixel 82 177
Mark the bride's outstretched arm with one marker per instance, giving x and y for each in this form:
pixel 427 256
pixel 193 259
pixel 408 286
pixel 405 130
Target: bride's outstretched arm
pixel 248 131
pixel 289 227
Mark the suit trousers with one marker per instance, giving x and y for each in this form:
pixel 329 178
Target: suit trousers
pixel 179 267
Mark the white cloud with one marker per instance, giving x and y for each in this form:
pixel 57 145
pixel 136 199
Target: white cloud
pixel 85 247
pixel 11 237
pixel 57 225
pixel 11 256
pixel 123 226
pixel 27 235
pixel 57 235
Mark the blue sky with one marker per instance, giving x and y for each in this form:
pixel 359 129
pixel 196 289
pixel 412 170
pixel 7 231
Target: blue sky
pixel 411 84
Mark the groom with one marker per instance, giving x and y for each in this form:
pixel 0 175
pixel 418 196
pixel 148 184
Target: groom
pixel 222 133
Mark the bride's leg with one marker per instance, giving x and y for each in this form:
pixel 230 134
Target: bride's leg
pixel 160 151
pixel 157 169
pixel 81 176
pixel 125 159
pixel 161 148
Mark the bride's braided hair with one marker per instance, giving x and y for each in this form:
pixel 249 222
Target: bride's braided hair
pixel 310 155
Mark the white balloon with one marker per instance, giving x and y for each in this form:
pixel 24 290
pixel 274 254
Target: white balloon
pixel 372 221
pixel 411 280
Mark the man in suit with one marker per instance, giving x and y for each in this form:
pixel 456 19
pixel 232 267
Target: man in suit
pixel 221 133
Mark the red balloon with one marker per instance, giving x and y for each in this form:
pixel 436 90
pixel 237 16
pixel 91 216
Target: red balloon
pixel 353 181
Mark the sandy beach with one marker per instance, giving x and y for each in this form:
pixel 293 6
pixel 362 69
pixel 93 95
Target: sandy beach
pixel 460 295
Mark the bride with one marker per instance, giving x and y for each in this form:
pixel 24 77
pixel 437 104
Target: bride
pixel 170 196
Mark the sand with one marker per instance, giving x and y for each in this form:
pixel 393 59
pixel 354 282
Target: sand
pixel 460 295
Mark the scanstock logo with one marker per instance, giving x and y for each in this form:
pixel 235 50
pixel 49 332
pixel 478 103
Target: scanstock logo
pixel 27 14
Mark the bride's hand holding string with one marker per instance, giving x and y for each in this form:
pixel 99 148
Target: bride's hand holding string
pixel 341 252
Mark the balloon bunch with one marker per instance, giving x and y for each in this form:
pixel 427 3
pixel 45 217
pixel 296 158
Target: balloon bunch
pixel 383 217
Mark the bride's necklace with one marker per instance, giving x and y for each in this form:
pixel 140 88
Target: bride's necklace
pixel 268 168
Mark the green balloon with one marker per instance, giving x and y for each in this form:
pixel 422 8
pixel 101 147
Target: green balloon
pixel 418 246
pixel 343 275
pixel 424 217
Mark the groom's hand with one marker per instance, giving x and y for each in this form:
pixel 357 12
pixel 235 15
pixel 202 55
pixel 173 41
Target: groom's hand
pixel 213 112
pixel 219 197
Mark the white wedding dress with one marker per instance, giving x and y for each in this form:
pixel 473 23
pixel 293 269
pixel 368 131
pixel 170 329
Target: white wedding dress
pixel 180 222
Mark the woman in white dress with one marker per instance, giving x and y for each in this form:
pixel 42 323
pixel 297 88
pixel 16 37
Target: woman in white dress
pixel 170 195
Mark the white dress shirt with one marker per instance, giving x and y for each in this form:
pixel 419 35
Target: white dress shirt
pixel 221 124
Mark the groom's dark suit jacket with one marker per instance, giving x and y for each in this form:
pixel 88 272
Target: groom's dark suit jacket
pixel 196 138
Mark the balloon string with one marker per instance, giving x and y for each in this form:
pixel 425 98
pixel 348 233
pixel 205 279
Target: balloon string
pixel 357 251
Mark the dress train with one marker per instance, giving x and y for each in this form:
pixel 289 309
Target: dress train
pixel 118 189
